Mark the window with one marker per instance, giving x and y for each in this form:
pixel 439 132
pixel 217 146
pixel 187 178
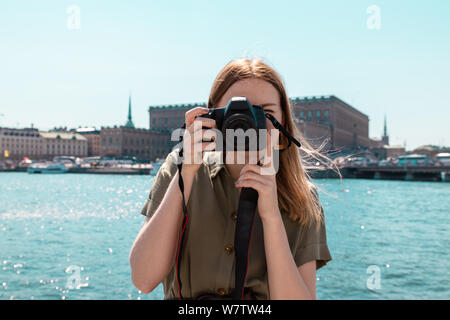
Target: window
pixel 302 115
pixel 309 115
pixel 326 113
pixel 318 114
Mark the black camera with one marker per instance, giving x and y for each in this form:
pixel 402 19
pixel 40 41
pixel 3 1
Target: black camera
pixel 243 125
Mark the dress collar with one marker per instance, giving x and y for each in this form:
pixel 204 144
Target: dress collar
pixel 214 163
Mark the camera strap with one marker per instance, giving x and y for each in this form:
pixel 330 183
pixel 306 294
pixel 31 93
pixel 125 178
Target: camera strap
pixel 278 126
pixel 248 201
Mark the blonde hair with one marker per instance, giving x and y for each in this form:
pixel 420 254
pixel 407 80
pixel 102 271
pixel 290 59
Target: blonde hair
pixel 297 195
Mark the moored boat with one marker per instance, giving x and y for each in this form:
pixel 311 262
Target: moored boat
pixel 47 167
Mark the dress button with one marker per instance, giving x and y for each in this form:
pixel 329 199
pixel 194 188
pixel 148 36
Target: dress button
pixel 229 249
pixel 234 215
pixel 221 291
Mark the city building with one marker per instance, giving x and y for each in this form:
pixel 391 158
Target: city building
pixel 169 117
pixel 128 141
pixel 381 149
pixel 63 144
pixel 386 152
pixel 430 150
pixel 15 144
pixel 329 118
pixel 122 141
pixel 93 138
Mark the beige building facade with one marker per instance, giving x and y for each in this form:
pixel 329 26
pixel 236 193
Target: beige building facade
pixel 15 144
pixel 64 144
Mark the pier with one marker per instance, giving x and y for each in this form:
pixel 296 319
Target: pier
pixel 409 173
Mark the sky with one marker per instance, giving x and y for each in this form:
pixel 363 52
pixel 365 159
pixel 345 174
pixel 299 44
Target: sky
pixel 74 63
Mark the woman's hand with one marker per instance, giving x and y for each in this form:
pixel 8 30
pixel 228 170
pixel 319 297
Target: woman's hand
pixel 193 146
pixel 254 176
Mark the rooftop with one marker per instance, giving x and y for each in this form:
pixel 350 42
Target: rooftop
pixel 178 106
pixel 158 130
pixel 324 98
pixel 87 130
pixel 61 135
pixel 293 100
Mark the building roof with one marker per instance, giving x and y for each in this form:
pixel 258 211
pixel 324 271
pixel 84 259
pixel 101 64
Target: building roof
pixel 61 135
pixel 294 99
pixel 87 130
pixel 178 106
pixel 443 154
pixel 325 98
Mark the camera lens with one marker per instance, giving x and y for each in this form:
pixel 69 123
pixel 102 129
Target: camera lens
pixel 239 141
pixel 239 121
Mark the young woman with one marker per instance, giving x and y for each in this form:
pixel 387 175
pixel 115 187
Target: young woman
pixel 288 242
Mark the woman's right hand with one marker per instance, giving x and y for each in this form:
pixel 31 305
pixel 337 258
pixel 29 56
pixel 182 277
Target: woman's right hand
pixel 193 146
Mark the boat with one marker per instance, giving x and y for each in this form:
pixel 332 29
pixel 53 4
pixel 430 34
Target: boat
pixel 47 167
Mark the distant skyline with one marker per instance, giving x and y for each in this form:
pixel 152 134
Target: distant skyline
pixel 74 63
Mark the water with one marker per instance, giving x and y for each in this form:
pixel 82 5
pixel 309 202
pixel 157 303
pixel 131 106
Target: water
pixel 68 237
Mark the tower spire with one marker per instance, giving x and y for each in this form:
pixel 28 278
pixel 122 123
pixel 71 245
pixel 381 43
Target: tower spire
pixel 129 123
pixel 385 137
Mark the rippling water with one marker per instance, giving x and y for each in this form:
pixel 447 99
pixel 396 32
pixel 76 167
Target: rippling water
pixel 68 237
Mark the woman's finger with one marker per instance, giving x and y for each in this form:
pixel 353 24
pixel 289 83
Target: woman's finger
pixel 249 175
pixel 192 113
pixel 258 186
pixel 202 135
pixel 199 124
pixel 250 167
pixel 208 146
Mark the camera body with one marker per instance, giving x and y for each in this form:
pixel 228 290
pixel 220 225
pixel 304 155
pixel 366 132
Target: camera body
pixel 246 121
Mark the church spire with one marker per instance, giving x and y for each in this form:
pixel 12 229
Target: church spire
pixel 129 123
pixel 385 137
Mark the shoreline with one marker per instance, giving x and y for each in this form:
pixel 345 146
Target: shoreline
pixel 430 174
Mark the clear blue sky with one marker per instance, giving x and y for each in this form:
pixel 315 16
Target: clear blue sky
pixel 169 52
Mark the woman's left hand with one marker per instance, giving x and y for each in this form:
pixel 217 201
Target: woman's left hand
pixel 259 178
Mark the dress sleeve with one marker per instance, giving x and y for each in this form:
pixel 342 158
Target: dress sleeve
pixel 312 243
pixel 160 185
